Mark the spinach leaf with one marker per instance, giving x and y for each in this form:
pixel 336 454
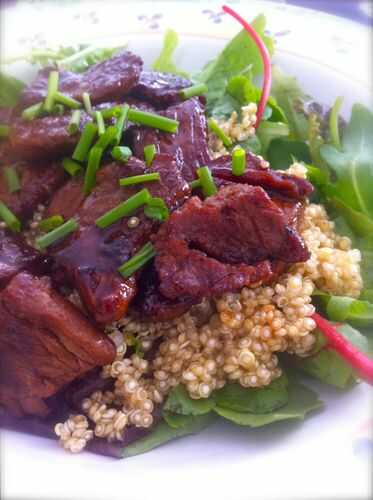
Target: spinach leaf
pixel 10 90
pixel 357 312
pixel 282 152
pixel 353 166
pixel 290 97
pixel 268 131
pixel 247 400
pixel 164 62
pixel 162 433
pixel 239 58
pixel 180 402
pixel 301 401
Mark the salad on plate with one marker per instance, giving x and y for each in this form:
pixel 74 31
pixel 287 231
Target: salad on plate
pixel 178 248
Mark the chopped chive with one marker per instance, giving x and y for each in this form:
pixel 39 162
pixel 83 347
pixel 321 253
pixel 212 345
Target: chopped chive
pixel 32 112
pixel 153 120
pixel 108 113
pixel 58 110
pixel 120 124
pixel 207 182
pixel 107 138
pixel 149 152
pixel 214 127
pixel 94 159
pixel 50 223
pixel 194 90
pixel 124 209
pixel 57 234
pixel 87 103
pixel 156 209
pixel 12 179
pixel 9 218
pixel 195 184
pixel 73 126
pixel 71 166
pixel 67 101
pixel 85 142
pixel 100 123
pixel 121 153
pixel 238 161
pixel 138 179
pixel 137 261
pixel 52 89
pixel 4 130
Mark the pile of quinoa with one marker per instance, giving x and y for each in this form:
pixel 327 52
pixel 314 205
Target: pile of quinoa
pixel 235 337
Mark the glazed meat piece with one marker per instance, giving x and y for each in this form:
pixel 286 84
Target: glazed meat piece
pixel 89 259
pixel 160 89
pixel 189 144
pixel 16 256
pixel 151 304
pixel 45 137
pixel 255 175
pixel 107 80
pixel 38 182
pixel 45 343
pixel 192 260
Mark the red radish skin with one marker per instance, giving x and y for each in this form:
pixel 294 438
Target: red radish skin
pixel 357 359
pixel 266 58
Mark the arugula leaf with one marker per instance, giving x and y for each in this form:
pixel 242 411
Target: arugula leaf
pixel 180 402
pixel 290 97
pixel 245 400
pixel 239 58
pixel 301 401
pixel 281 153
pixel 162 433
pixel 353 166
pixel 10 90
pixel 164 62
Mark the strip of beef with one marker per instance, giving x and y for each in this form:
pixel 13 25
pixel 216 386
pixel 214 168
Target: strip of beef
pixel 105 81
pixel 15 256
pixel 38 183
pixel 89 259
pixel 189 144
pixel 160 89
pixel 255 175
pixel 193 261
pixel 45 343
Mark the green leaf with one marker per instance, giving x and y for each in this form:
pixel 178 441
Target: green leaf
pixel 251 144
pixel 360 223
pixel 356 312
pixel 290 97
pixel 240 57
pixel 247 400
pixel 164 62
pixel 353 166
pixel 328 367
pixel 10 90
pixel 301 401
pixel 268 131
pixel 281 153
pixel 162 433
pixel 180 402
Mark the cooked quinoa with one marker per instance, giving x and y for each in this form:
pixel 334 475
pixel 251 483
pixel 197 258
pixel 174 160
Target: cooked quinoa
pixel 232 338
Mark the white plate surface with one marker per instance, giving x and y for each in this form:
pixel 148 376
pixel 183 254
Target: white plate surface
pixel 329 455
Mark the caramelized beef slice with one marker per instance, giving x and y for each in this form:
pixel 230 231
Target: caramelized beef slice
pixel 160 89
pixel 45 343
pixel 107 80
pixel 193 261
pixel 90 258
pixel 255 175
pixel 189 144
pixel 38 183
pixel 15 256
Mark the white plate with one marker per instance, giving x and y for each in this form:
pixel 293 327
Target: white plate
pixel 328 455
